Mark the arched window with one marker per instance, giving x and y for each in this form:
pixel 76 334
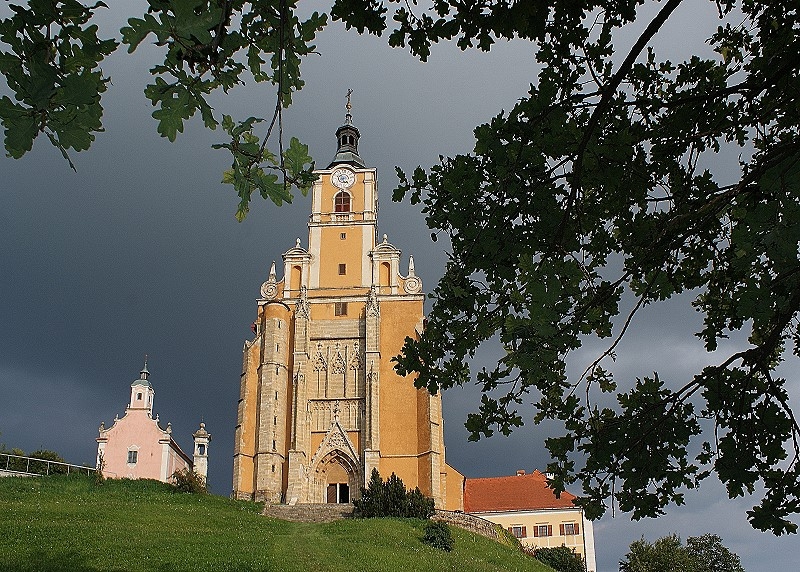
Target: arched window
pixel 295 279
pixel 341 202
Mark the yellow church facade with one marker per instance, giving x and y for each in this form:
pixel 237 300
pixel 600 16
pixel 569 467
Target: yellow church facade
pixel 320 403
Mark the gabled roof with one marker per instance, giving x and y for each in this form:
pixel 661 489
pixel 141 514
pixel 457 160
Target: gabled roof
pixel 518 492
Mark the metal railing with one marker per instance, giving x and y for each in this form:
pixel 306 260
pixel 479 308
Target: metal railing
pixel 18 464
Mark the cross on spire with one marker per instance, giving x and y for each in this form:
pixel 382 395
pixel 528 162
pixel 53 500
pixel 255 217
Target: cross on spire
pixel 144 373
pixel 349 106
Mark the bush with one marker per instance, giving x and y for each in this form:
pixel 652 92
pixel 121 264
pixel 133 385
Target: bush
pixel 44 468
pixel 14 464
pixel 186 481
pixel 420 506
pixel 392 499
pixel 438 535
pixel 560 559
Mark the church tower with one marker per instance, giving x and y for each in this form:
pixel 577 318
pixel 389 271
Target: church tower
pixel 320 403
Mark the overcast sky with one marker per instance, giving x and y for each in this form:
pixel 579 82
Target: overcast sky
pixel 139 253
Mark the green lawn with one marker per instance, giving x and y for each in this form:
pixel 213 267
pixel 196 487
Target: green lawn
pixel 72 524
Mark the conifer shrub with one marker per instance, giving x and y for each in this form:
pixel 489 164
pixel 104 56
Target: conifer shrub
pixel 437 534
pixel 391 498
pixel 420 506
pixel 186 481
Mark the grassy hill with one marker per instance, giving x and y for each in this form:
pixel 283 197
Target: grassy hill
pixel 70 523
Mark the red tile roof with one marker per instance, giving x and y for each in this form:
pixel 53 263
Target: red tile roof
pixel 518 492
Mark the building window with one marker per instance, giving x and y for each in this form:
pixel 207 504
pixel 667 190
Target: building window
pixel 342 269
pixel 343 236
pixel 340 308
pixel 139 396
pixel 133 457
pixel 543 530
pixel 341 202
pixel 273 444
pixel 569 528
pixel 518 531
pixel 201 449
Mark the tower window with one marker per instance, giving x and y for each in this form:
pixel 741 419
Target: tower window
pixel 343 236
pixel 133 457
pixel 342 269
pixel 201 449
pixel 341 203
pixel 139 396
pixel 340 308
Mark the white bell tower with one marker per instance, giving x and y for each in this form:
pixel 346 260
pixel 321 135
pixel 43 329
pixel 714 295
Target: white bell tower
pixel 201 440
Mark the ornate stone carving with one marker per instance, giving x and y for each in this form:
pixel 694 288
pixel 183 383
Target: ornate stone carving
pixel 303 308
pixel 338 365
pixel 373 308
pixel 320 363
pixel 336 440
pixel 372 376
pixel 356 361
pixel 413 285
pixel 269 289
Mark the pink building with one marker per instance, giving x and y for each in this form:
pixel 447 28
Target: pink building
pixel 136 447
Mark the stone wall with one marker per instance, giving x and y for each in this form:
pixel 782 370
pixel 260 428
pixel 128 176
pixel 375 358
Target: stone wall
pixel 471 523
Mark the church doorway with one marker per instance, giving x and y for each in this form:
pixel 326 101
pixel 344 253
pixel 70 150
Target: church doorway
pixel 338 493
pixel 335 476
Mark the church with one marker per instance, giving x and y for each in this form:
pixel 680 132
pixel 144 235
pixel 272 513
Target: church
pixel 137 447
pixel 320 403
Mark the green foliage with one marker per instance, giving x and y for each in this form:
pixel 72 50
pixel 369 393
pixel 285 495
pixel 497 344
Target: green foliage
pixel 207 43
pixel 438 535
pixel 560 559
pixel 390 498
pixel 53 69
pixel 701 554
pixel 20 465
pixel 61 523
pixel 186 481
pixel 709 554
pixel 598 185
pixel 44 468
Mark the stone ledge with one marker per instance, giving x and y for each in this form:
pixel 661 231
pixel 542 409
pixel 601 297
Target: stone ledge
pixel 309 512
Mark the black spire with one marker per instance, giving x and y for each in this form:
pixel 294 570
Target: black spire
pixel 347 139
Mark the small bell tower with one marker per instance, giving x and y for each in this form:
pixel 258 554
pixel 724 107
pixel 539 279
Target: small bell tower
pixel 142 392
pixel 201 440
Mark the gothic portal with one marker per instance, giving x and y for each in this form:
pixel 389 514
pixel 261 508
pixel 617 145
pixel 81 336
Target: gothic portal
pixel 320 403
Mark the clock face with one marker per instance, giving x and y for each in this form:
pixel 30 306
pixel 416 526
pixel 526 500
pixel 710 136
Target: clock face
pixel 343 178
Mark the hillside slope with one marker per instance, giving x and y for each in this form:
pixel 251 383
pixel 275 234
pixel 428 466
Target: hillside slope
pixel 71 524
